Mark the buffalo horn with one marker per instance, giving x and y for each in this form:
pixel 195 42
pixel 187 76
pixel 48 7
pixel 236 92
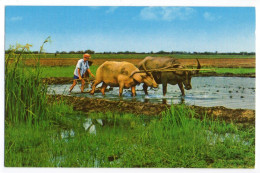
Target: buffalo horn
pixel 198 67
pixel 145 70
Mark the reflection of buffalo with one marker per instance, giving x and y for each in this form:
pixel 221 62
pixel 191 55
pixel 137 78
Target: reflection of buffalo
pixel 122 75
pixel 174 77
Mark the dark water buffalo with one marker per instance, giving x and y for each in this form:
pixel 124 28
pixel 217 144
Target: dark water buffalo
pixel 182 77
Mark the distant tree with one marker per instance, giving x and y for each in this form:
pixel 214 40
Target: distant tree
pixel 89 51
pixel 162 52
pixel 80 52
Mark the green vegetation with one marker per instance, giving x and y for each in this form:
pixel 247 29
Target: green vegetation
pixel 175 139
pixel 235 70
pixel 138 56
pixel 62 71
pixel 67 71
pixel 40 132
pixel 232 70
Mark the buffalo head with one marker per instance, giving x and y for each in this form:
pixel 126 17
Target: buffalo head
pixel 144 77
pixel 185 76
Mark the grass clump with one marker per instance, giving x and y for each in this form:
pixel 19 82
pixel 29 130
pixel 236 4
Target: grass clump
pixel 176 139
pixel 25 95
pixel 28 114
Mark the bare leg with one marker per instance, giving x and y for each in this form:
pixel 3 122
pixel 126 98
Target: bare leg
pixel 181 88
pixel 73 84
pixel 103 88
pixel 82 85
pixel 133 91
pixel 145 89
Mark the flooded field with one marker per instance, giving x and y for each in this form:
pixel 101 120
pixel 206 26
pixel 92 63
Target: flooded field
pixel 230 92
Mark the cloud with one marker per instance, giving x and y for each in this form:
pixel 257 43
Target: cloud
pixel 210 17
pixel 166 13
pixel 16 18
pixel 111 9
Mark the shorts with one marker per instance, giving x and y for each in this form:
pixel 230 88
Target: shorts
pixel 75 77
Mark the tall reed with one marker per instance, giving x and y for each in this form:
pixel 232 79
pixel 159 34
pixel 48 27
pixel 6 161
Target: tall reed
pixel 25 94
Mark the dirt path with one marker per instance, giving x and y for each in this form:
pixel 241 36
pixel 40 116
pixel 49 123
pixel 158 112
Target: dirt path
pixel 223 62
pixel 241 116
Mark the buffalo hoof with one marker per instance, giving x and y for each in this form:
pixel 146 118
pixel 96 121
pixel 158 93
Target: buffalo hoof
pixel 92 93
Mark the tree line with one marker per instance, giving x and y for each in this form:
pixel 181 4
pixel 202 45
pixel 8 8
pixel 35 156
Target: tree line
pixel 133 52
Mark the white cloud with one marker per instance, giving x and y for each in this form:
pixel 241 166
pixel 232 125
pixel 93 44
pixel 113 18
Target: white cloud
pixel 166 13
pixel 210 17
pixel 111 9
pixel 16 18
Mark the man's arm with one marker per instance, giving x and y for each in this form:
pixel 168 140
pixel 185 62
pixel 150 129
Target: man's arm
pixel 80 78
pixel 90 73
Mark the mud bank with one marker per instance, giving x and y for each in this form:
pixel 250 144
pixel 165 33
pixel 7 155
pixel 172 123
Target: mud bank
pixel 67 80
pixel 88 105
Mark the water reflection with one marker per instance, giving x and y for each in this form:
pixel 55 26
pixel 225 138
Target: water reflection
pixel 213 138
pixel 67 134
pixel 90 125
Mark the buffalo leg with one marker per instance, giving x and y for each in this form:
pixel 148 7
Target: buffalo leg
pixel 181 88
pixel 103 88
pixel 145 89
pixel 133 91
pixel 121 87
pixel 94 86
pixel 164 89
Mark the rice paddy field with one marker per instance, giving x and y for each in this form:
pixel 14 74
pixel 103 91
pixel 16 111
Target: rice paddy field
pixel 138 56
pixel 44 131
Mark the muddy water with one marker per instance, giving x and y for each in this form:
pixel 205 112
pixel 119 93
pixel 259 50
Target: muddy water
pixel 230 92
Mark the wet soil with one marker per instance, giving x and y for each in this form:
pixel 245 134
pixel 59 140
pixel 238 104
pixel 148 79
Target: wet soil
pixel 88 105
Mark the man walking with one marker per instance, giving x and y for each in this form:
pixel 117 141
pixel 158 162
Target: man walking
pixel 80 70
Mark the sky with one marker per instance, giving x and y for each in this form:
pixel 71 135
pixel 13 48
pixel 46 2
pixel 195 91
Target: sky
pixel 125 28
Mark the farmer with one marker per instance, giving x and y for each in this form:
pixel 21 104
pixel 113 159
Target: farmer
pixel 79 73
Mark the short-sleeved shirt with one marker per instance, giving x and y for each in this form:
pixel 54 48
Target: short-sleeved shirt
pixel 83 66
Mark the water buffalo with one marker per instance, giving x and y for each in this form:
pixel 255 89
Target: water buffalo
pixel 122 75
pixel 174 77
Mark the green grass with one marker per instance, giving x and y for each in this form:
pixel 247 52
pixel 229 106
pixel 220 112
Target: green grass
pixel 175 139
pixel 67 71
pixel 136 56
pixel 235 70
pixel 62 71
pixel 58 71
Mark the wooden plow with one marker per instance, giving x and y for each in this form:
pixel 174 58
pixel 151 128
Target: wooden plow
pixel 172 70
